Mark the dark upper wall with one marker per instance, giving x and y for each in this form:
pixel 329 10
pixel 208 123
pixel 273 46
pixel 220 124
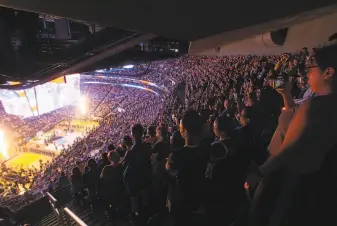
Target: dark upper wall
pixel 188 20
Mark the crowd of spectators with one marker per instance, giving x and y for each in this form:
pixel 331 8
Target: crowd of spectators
pixel 103 101
pixel 200 156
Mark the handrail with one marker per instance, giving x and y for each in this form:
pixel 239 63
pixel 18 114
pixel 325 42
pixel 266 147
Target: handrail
pixel 74 217
pixel 55 207
pixel 68 212
pixel 51 197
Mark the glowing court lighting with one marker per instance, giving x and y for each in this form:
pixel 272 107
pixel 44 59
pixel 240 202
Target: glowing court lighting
pixel 13 83
pixel 140 87
pixel 83 105
pixel 128 66
pixel 3 145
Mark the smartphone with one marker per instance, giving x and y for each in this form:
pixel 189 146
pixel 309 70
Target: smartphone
pixel 278 83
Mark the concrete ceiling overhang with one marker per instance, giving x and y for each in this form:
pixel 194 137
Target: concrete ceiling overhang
pixel 212 42
pixel 186 20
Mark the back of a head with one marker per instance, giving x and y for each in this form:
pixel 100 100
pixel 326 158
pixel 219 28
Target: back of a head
pixel 113 156
pixel 271 100
pixel 137 131
pixel 226 124
pixel 76 171
pixel 127 140
pixel 92 163
pixel 151 130
pixel 192 123
pixel 104 156
pixel 111 147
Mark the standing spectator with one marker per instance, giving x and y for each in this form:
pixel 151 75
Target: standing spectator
pixel 137 175
pixel 187 167
pixel 91 180
pixel 63 180
pixel 77 184
pixel 112 183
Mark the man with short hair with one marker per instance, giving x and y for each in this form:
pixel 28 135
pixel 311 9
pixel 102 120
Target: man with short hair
pixel 187 167
pixel 137 175
pixel 112 188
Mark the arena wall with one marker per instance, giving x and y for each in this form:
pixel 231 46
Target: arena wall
pixel 308 34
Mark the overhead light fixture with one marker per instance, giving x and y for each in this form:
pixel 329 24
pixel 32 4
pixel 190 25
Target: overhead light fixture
pixel 128 66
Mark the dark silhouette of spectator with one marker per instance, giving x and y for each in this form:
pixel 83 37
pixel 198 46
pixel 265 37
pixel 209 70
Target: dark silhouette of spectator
pixel 113 191
pixel 104 162
pixel 137 174
pixel 187 167
pixel 91 180
pixel 63 180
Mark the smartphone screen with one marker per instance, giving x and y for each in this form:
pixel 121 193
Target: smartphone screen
pixel 278 83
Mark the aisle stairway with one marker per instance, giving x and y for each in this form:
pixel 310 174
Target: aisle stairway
pixel 73 213
pixel 85 214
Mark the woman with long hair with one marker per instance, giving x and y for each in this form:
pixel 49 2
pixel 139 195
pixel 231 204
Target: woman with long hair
pixel 77 184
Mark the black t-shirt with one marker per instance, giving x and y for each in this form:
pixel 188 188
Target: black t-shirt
pixel 161 150
pixel 177 141
pixel 223 165
pixel 111 178
pixel 226 173
pixel 138 165
pixel 187 166
pixel 91 178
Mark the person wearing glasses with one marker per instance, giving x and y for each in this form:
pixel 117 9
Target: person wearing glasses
pixel 301 172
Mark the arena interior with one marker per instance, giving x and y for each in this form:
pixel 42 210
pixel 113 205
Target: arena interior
pixel 116 127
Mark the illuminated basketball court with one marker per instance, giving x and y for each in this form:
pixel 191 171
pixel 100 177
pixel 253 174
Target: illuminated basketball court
pixel 61 137
pixel 27 160
pixel 64 133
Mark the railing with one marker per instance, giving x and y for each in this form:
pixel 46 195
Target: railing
pixel 70 214
pixel 60 212
pixel 56 208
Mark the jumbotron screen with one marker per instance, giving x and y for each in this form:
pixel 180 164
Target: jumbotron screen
pixel 58 93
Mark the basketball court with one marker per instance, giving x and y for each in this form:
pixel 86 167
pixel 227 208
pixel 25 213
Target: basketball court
pixel 27 160
pixel 63 134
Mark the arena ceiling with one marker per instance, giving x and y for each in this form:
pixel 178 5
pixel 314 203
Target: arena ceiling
pixel 207 24
pixel 185 20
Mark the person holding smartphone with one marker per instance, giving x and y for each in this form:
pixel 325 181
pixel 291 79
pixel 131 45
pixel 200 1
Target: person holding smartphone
pixel 301 173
